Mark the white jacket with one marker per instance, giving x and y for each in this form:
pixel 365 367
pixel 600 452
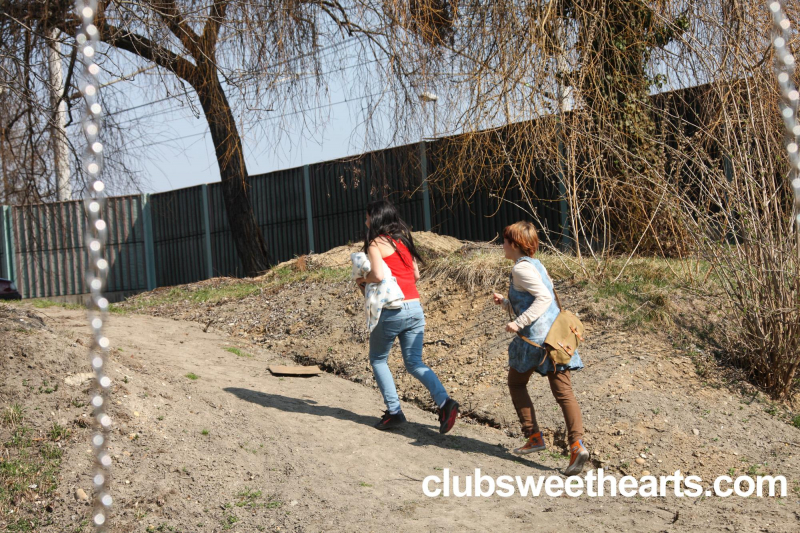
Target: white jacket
pixel 378 296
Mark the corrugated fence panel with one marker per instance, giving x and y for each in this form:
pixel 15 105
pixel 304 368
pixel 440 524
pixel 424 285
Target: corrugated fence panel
pixel 278 200
pixel 6 243
pixel 50 254
pixel 48 258
pixel 399 172
pixel 223 252
pixel 3 273
pixel 125 249
pixel 178 236
pixel 481 216
pixel 342 189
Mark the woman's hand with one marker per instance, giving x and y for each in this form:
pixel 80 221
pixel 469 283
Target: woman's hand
pixel 362 284
pixel 498 298
pixel 512 327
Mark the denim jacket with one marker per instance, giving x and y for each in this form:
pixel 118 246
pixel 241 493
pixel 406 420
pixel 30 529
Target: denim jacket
pixel 521 355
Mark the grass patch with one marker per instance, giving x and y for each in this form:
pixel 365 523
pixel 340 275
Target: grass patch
pixel 116 309
pixel 50 452
pixel 23 524
pixel 233 291
pixel 284 275
pixel 58 432
pixel 249 498
pixel 44 303
pixel 638 301
pixel 20 438
pixel 204 432
pixel 192 376
pixel 485 266
pixel 228 521
pixel 29 472
pixel 219 289
pixel 796 421
pixel 555 455
pixel 12 415
pixel 237 351
pixel 45 388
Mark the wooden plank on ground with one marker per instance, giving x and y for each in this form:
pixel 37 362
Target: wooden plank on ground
pixel 280 370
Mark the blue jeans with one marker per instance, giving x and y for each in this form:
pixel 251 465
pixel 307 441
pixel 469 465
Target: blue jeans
pixel 407 324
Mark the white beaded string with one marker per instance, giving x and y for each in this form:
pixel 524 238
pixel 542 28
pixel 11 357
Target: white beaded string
pixel 784 67
pixel 87 39
pixel 97 271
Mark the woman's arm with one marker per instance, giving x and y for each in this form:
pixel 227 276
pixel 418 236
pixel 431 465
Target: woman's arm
pixel 527 278
pixel 375 275
pixel 416 270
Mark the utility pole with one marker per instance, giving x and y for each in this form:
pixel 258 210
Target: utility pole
pixel 564 106
pixel 59 134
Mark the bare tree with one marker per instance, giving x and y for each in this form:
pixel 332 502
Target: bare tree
pixel 219 49
pixel 34 145
pixel 697 172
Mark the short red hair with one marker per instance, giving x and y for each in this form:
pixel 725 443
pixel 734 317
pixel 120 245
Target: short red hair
pixel 524 235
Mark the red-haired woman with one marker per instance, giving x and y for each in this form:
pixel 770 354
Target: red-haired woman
pixel 532 300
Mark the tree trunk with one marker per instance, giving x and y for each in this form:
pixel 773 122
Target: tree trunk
pixel 250 243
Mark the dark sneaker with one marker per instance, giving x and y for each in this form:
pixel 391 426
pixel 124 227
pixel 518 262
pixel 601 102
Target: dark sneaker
pixel 391 421
pixel 447 415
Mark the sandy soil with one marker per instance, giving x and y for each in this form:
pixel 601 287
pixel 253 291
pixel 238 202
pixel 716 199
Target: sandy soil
pixel 300 454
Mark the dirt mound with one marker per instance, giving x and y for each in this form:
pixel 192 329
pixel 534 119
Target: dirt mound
pixel 428 244
pixel 433 245
pixel 338 257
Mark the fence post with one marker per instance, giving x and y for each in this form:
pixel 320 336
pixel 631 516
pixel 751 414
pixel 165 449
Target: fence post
pixel 7 238
pixel 566 238
pixel 426 195
pixel 309 214
pixel 207 230
pixel 149 247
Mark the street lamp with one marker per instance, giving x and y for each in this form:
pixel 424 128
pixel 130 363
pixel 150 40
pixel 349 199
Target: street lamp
pixel 427 96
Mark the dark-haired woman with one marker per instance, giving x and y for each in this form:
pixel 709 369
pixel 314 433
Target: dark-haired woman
pixel 389 241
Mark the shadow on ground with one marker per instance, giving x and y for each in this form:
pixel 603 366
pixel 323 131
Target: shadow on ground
pixel 422 435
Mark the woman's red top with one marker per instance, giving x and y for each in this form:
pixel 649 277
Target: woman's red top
pixel 401 263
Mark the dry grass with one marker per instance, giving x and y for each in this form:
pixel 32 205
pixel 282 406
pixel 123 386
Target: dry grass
pixel 483 266
pixel 480 268
pixel 632 291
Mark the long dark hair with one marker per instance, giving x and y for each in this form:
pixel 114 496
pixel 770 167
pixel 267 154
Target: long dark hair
pixel 384 219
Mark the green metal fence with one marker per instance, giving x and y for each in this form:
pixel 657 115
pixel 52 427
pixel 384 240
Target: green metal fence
pixel 182 236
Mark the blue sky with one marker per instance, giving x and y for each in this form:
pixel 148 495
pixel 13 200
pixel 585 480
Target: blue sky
pixel 173 149
pixel 177 151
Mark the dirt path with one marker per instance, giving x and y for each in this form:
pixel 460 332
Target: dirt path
pixel 239 449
